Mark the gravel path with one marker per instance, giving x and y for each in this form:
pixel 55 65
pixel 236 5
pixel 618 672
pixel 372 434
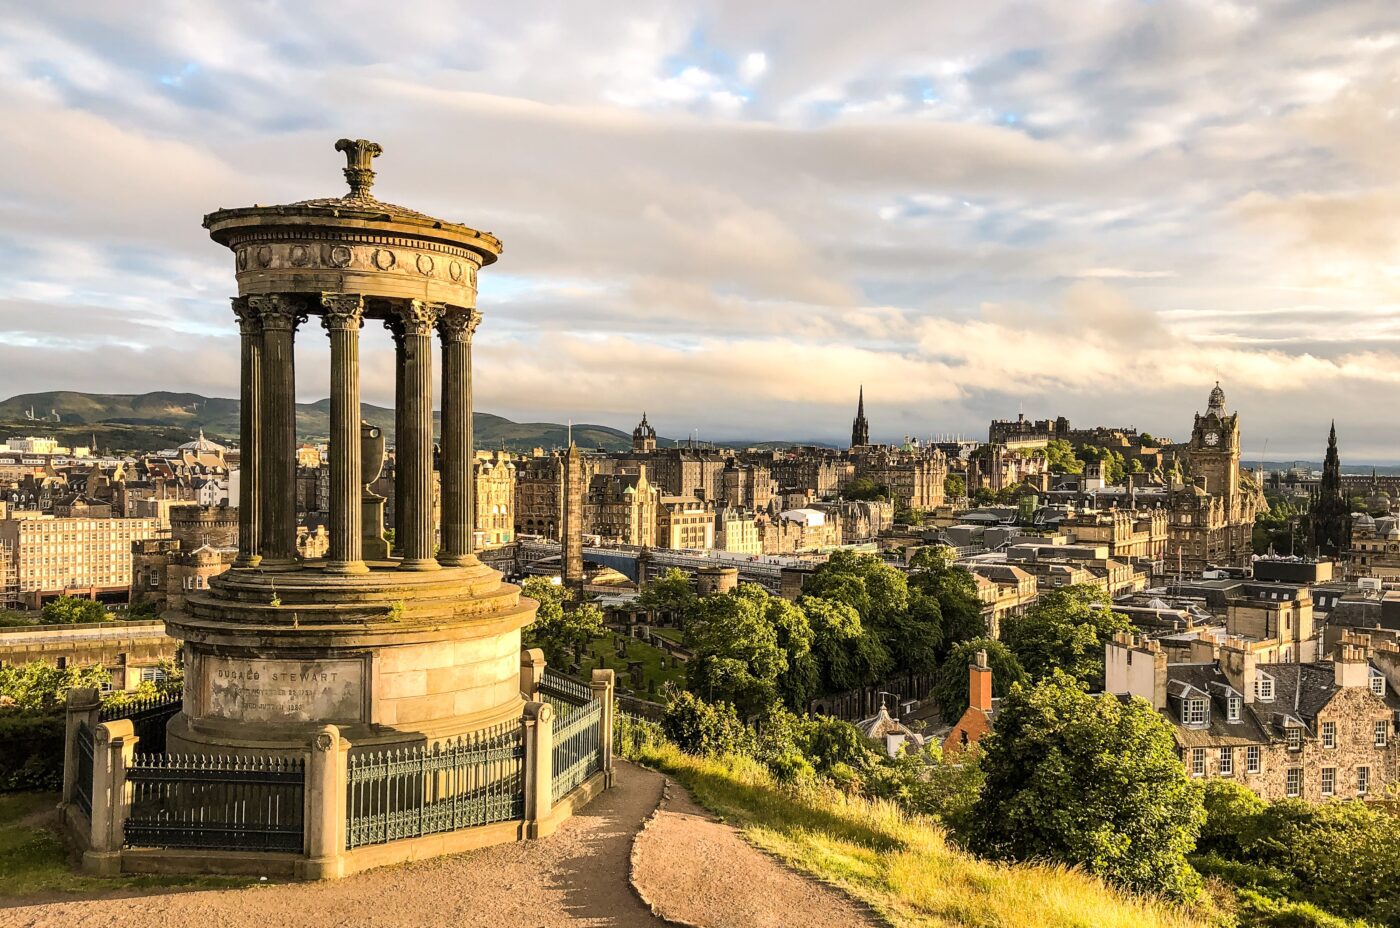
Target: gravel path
pixel 576 877
pixel 696 871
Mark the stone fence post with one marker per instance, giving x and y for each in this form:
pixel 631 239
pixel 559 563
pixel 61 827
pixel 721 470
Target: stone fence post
pixel 84 704
pixel 531 673
pixel 326 813
pixel 539 769
pixel 113 744
pixel 603 684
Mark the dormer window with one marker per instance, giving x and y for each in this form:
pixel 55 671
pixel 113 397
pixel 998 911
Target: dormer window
pixel 1295 739
pixel 1194 712
pixel 1263 687
pixel 1232 708
pixel 1377 682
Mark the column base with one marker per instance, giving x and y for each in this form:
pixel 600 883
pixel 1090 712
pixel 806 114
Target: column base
pixel 279 565
pixel 248 561
pixel 422 563
pixel 346 568
pixel 458 560
pixel 102 863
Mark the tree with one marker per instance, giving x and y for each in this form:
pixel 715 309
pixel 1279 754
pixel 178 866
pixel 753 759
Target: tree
pixel 863 488
pixel 669 595
pixel 954 486
pixel 934 573
pixel 847 656
pixel 559 631
pixel 1089 781
pixel 1060 458
pixel 735 654
pixel 42 687
pixel 795 637
pixel 984 496
pixel 699 727
pixel 1065 630
pixel 71 610
pixel 951 682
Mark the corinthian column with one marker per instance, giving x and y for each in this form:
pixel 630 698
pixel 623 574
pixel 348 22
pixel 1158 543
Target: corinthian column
pixel 413 423
pixel 280 315
pixel 344 314
pixel 249 435
pixel 455 328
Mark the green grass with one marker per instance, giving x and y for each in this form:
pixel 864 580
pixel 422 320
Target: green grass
pixel 35 862
pixel 669 633
pixel 655 666
pixel 901 865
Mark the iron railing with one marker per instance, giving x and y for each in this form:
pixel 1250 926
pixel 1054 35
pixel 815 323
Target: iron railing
pixel 411 792
pixel 216 802
pixel 148 718
pixel 83 786
pixel 564 689
pixel 578 750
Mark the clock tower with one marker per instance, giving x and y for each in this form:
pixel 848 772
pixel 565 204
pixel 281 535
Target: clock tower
pixel 1214 450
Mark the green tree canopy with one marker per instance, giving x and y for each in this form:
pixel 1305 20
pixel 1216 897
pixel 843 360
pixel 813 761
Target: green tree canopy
pixel 864 488
pixel 41 687
pixel 933 573
pixel 72 610
pixel 1090 781
pixel 847 654
pixel 670 594
pixel 1060 458
pixel 951 682
pixel 559 629
pixel 1065 630
pixel 955 486
pixel 736 654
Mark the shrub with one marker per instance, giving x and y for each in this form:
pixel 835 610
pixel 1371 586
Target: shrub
pixel 698 727
pixel 31 750
pixel 1231 809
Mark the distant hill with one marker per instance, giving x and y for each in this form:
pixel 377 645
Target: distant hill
pixel 151 421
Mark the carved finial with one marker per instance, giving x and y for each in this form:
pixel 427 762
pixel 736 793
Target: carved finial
pixel 359 153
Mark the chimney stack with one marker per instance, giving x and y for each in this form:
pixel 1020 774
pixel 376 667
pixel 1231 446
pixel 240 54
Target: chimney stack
pixel 979 694
pixel 1351 668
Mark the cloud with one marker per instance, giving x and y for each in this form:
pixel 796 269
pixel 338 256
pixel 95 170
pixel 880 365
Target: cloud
pixel 735 215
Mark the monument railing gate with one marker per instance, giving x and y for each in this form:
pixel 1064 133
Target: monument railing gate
pixel 148 717
pixel 417 791
pixel 578 748
pixel 82 787
pixel 224 803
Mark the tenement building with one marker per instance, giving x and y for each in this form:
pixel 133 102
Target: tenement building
pixel 1316 730
pixel 52 557
pixel 203 543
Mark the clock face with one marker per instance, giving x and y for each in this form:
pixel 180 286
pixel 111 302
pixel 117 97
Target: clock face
pixel 1212 438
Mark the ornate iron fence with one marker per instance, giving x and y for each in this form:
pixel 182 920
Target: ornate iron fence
pixel 411 792
pixel 578 751
pixel 216 803
pixel 564 689
pixel 148 717
pixel 83 786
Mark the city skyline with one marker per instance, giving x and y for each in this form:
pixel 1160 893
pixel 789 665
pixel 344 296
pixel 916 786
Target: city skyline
pixel 733 218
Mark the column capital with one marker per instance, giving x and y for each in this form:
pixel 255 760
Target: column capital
pixel 249 319
pixel 414 317
pixel 278 311
pixel 343 311
pixel 458 324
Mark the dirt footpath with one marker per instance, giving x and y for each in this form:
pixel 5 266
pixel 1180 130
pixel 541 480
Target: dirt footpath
pixel 696 871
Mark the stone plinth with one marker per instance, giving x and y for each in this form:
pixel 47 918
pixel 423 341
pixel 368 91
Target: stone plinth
pixel 389 657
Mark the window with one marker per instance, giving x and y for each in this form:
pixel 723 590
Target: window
pixel 1195 712
pixel 1198 762
pixel 1329 734
pixel 1295 739
pixel 1377 682
pixel 152 674
pixel 1382 731
pixel 1227 762
pixel 1363 780
pixel 1263 687
pixel 155 579
pixel 1232 708
pixel 1329 781
pixel 1293 781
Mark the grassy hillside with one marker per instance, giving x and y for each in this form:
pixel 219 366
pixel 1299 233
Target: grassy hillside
pixel 902 865
pixel 151 421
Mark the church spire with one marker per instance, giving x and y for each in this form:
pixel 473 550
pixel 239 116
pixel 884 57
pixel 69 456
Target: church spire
pixel 860 428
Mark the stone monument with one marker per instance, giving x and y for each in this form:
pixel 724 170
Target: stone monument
pixel 412 648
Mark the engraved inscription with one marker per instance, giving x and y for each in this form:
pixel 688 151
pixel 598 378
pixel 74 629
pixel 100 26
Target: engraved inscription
pixel 284 691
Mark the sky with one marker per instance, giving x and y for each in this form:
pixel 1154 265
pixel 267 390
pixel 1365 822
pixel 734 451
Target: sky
pixel 732 215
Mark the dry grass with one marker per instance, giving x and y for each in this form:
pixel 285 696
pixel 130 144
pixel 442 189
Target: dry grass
pixel 900 865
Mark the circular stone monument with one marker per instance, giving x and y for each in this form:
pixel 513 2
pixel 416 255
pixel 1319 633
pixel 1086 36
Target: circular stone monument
pixel 415 645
